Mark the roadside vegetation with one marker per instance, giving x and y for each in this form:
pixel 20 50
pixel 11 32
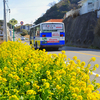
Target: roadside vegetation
pixel 28 74
pixel 24 32
pixel 57 11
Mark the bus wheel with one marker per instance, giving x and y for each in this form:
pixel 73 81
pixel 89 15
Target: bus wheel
pixel 30 42
pixel 35 45
pixel 56 48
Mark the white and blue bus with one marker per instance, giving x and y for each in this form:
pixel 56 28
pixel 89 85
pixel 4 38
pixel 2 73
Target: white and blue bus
pixel 48 35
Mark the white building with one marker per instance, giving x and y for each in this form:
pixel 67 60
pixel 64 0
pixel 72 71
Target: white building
pixel 1 33
pixel 89 5
pixel 3 36
pixel 86 6
pixel 26 27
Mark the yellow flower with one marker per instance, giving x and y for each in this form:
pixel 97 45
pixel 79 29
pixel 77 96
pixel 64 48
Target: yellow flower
pixel 27 83
pixel 74 95
pixel 13 97
pixel 47 85
pixel 97 75
pixel 63 52
pixel 62 90
pixel 48 72
pixel 58 87
pixel 35 71
pixel 50 98
pixel 63 85
pixel 16 77
pixel 54 55
pixel 91 87
pixel 49 77
pixel 0 71
pixel 78 61
pixel 26 69
pixel 83 63
pixel 90 96
pixel 73 83
pixel 69 59
pixel 44 50
pixel 5 68
pixel 44 80
pixel 97 91
pixel 94 69
pixel 4 79
pixel 72 62
pixel 96 65
pixel 73 74
pixel 93 58
pixel 79 97
pixel 82 84
pixel 88 65
pixel 87 90
pixel 76 90
pixel 30 92
pixel 98 85
pixel 91 73
pixel 35 85
pixel 74 58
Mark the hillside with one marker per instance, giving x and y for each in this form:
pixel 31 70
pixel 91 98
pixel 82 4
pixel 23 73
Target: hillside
pixel 58 10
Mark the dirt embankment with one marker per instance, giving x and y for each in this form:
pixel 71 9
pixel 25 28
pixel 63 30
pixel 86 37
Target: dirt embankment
pixel 80 30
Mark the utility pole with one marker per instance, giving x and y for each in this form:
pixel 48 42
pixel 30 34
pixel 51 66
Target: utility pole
pixel 5 23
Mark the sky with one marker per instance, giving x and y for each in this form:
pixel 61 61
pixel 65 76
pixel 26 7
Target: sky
pixel 25 10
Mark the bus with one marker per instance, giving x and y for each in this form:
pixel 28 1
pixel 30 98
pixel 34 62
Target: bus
pixel 47 35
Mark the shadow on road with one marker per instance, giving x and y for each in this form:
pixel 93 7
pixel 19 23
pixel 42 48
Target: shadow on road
pixel 67 48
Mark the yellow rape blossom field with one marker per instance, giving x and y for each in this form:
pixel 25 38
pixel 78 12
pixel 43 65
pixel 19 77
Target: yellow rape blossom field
pixel 28 74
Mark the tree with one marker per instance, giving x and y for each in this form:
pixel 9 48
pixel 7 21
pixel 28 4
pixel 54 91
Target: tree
pixel 17 28
pixel 52 4
pixel 24 32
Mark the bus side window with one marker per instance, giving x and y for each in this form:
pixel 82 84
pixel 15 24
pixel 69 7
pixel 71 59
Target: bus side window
pixel 33 33
pixel 37 32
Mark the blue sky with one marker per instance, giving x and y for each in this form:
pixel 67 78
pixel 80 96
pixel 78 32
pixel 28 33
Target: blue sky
pixel 25 10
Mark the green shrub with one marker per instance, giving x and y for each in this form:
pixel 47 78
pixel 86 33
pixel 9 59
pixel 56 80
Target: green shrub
pixel 24 32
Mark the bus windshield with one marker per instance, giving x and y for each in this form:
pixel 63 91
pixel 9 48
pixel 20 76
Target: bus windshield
pixel 52 27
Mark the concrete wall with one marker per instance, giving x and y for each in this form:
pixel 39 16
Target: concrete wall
pixel 80 30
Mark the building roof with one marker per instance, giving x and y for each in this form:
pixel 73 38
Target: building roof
pixel 55 20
